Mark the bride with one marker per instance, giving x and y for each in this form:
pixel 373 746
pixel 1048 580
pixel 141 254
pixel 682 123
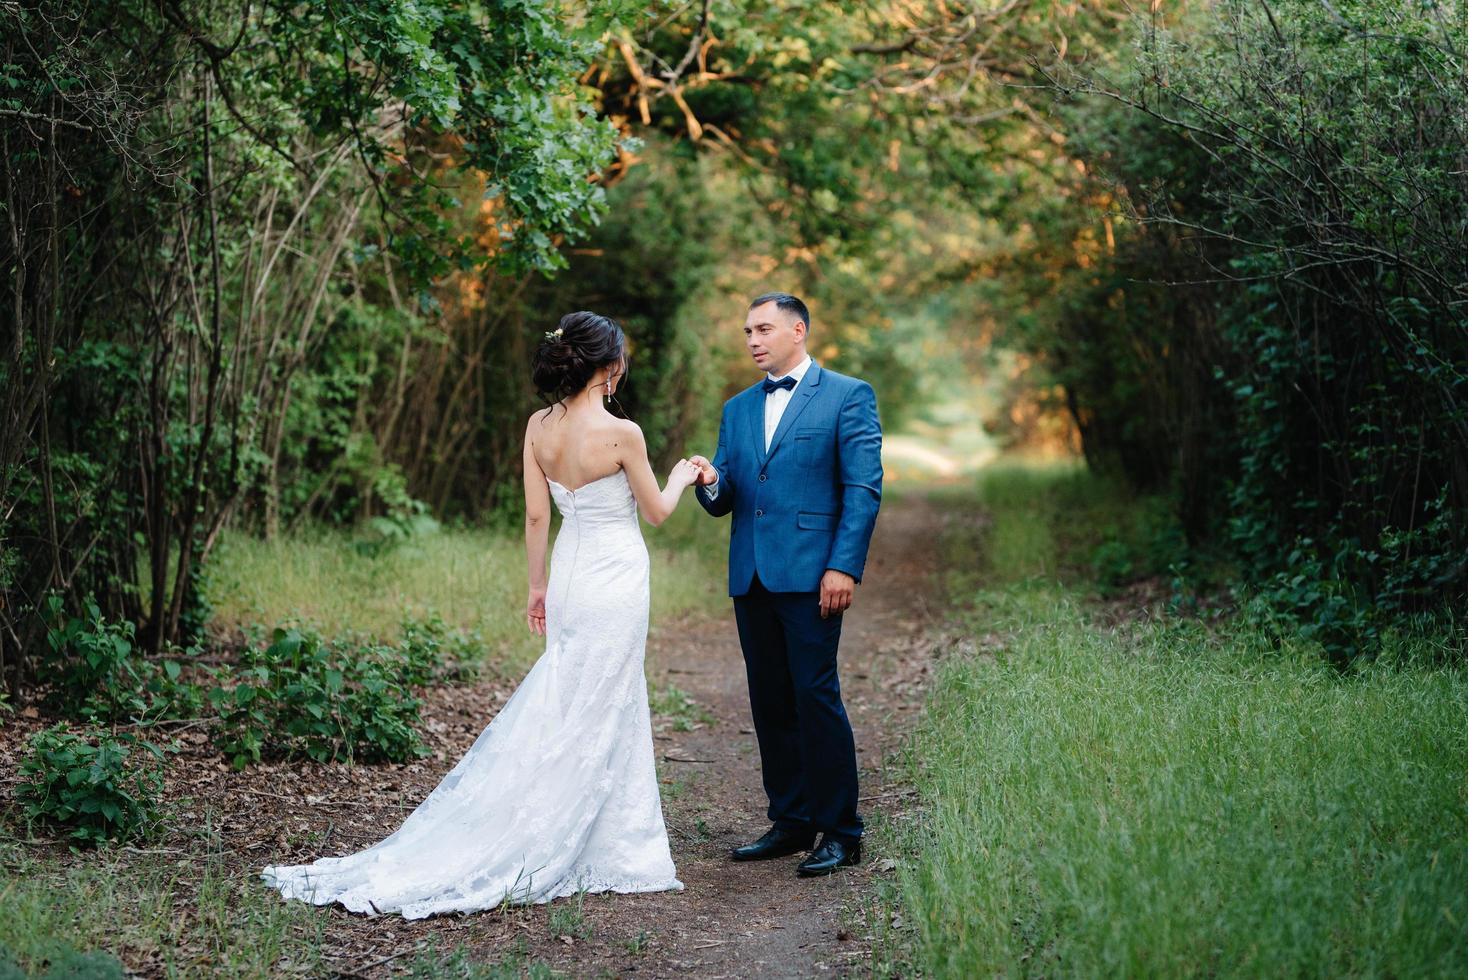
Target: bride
pixel 559 793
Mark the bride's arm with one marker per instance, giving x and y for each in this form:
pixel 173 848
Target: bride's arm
pixel 537 535
pixel 654 504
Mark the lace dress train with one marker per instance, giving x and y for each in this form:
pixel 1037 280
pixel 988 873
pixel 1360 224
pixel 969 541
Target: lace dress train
pixel 559 793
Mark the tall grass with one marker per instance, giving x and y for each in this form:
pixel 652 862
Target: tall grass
pixel 194 918
pixel 1049 520
pixel 1167 799
pixel 473 578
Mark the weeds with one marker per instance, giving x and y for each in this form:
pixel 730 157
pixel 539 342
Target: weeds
pixel 1170 796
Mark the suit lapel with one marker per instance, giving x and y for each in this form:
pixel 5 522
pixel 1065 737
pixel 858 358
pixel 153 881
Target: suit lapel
pixel 756 422
pixel 802 396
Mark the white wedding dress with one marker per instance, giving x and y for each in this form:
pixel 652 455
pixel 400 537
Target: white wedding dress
pixel 559 793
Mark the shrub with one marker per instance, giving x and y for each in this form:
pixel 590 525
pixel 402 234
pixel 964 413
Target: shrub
pixel 75 965
pixel 304 696
pixel 431 649
pixel 69 964
pixel 99 674
pixel 92 663
pixel 1288 362
pixel 169 695
pixel 86 784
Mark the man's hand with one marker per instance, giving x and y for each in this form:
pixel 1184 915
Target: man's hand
pixel 837 589
pixel 706 472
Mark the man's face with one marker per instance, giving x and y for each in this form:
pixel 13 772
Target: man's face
pixel 774 338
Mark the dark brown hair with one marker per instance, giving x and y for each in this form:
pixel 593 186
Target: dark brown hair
pixel 568 356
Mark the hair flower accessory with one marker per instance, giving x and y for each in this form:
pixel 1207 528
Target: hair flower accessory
pixel 553 334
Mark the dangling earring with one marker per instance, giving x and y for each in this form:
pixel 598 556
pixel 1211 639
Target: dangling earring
pixel 609 390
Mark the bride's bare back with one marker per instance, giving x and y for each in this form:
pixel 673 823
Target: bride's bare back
pixel 576 447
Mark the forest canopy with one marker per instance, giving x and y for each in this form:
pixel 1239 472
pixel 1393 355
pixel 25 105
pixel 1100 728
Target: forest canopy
pixel 270 265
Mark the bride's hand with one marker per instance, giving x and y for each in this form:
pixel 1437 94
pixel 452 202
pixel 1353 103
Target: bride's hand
pixel 684 474
pixel 535 612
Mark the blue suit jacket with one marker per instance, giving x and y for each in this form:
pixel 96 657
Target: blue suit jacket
pixel 810 503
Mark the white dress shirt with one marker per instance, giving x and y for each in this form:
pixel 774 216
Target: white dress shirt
pixel 776 400
pixel 775 403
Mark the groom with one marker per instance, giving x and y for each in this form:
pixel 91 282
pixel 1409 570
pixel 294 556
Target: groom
pixel 799 465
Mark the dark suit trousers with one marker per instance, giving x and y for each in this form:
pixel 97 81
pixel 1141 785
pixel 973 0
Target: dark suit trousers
pixel 806 747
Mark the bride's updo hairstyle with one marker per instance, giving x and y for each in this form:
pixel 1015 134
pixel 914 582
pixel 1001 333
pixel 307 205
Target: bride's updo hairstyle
pixel 569 355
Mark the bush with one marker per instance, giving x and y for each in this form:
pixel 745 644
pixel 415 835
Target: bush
pixel 9 969
pixel 92 663
pixel 99 674
pixel 431 649
pixel 85 783
pixel 1288 362
pixel 75 965
pixel 304 696
pixel 69 964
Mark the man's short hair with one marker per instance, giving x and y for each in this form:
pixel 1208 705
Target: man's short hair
pixel 786 302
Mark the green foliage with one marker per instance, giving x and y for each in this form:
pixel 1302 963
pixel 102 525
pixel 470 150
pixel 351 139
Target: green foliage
pixel 431 963
pixel 1113 803
pixel 97 673
pixel 1252 295
pixel 68 964
pixel 233 160
pixel 302 695
pixel 1349 344
pixel 1144 540
pixel 430 649
pixel 1174 796
pixel 567 918
pixel 676 704
pixel 75 965
pixel 129 901
pixel 1063 523
pixel 92 663
pixel 85 785
pixel 495 82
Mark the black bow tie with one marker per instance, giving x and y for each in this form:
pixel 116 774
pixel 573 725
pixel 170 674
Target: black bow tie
pixel 787 383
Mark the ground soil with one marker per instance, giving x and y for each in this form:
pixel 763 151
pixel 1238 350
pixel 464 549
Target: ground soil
pixel 732 920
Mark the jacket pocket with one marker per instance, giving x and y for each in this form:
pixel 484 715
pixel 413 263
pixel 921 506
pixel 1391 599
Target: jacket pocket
pixel 809 445
pixel 815 522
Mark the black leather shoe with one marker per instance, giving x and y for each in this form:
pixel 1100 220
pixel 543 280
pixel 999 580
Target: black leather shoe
pixel 832 854
pixel 777 843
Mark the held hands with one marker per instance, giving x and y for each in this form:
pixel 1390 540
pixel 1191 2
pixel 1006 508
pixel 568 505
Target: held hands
pixel 684 474
pixel 535 611
pixel 706 472
pixel 837 590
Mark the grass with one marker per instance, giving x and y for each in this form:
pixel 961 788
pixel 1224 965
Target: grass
pixel 567 920
pixel 1057 522
pixel 515 964
pixel 186 916
pixel 474 579
pixel 1174 797
pixel 679 708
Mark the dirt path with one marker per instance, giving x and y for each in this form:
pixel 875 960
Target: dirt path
pixel 732 920
pixel 759 919
pixel 735 920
